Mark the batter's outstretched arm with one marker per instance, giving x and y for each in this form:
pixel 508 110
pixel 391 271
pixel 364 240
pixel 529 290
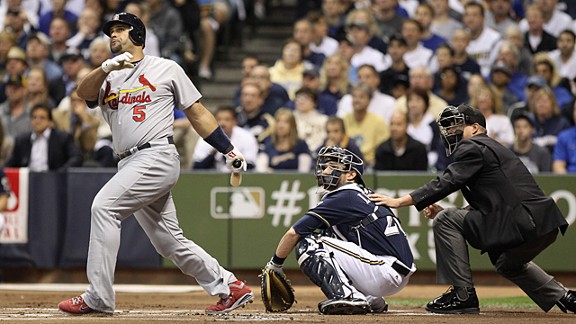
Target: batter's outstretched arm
pixel 201 119
pixel 89 87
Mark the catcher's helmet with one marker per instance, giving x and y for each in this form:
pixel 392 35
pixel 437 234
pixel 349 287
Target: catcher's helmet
pixel 452 121
pixel 137 28
pixel 345 161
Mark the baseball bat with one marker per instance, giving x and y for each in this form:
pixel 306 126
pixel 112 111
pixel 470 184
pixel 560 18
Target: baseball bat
pixel 236 177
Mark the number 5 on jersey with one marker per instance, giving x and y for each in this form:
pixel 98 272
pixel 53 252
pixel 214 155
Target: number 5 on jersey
pixel 139 113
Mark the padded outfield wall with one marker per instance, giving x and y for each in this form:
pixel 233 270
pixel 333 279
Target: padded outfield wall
pixel 239 226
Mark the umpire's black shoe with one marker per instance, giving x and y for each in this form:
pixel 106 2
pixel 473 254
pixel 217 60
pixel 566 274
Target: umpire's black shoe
pixel 344 307
pixel 568 302
pixel 457 300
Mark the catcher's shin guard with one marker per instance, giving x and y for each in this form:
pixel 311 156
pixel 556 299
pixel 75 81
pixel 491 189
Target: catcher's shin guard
pixel 322 269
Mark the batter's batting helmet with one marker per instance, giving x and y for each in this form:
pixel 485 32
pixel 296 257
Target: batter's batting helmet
pixel 137 29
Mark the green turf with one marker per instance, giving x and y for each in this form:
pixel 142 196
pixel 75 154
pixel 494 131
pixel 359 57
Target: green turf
pixel 521 302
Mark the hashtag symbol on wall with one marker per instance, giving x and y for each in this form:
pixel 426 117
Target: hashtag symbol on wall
pixel 286 203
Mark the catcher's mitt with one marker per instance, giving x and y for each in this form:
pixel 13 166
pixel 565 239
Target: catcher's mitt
pixel 277 292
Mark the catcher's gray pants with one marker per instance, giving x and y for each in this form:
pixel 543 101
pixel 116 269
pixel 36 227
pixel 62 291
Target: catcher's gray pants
pixel 453 264
pixel 142 187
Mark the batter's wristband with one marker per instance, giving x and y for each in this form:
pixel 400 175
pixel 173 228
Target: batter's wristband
pixel 278 260
pixel 219 141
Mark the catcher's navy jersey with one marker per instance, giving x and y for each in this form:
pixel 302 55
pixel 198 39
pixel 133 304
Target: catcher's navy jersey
pixel 343 209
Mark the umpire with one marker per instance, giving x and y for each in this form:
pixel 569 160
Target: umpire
pixel 509 217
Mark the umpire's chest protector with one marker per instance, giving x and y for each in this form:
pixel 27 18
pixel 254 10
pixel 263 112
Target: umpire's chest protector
pixel 508 207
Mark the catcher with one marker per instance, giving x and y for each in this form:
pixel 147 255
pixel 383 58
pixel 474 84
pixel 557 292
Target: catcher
pixel 355 251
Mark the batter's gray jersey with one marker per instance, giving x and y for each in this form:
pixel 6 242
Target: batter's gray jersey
pixel 139 103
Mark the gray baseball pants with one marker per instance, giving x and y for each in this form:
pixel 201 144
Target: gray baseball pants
pixel 142 187
pixel 453 263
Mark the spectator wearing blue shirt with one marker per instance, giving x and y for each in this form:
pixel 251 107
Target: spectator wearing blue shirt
pixel 58 10
pixel 326 102
pixel 283 150
pixel 546 68
pixel 565 151
pixel 549 122
pixel 425 15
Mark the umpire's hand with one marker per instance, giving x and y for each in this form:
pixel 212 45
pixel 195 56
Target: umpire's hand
pixel 382 200
pixel 431 211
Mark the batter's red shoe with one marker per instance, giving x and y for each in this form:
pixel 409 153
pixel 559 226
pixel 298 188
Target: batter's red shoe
pixel 239 296
pixel 75 306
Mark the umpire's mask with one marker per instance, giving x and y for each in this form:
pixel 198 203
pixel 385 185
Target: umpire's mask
pixel 451 125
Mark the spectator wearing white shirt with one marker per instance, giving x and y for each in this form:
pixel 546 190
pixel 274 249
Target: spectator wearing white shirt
pixel 206 157
pixel 361 28
pixel 484 41
pixel 309 121
pixel 380 104
pixel 564 56
pixel 321 42
pixel 420 122
pixel 416 54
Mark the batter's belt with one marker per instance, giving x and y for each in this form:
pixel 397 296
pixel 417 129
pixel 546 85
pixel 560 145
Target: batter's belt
pixel 158 142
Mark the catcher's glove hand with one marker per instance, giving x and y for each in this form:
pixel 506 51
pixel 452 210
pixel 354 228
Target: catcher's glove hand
pixel 277 292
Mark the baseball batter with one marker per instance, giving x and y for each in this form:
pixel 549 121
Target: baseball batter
pixel 362 254
pixel 137 95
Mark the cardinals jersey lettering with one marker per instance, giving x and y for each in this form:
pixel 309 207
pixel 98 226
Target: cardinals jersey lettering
pixel 139 103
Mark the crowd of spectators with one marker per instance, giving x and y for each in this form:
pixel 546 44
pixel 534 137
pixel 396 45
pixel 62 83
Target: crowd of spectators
pixel 372 76
pixel 398 64
pixel 48 46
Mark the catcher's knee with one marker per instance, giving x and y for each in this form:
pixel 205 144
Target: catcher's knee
pixel 306 247
pixel 318 265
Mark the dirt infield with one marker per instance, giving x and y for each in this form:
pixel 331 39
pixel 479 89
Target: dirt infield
pixel 40 307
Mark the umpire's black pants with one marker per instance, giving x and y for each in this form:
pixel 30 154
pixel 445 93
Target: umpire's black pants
pixel 453 263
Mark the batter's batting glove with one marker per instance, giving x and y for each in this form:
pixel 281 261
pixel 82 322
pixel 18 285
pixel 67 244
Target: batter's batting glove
pixel 276 268
pixel 118 62
pixel 235 161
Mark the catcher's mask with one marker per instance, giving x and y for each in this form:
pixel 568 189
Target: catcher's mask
pixel 340 161
pixel 452 121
